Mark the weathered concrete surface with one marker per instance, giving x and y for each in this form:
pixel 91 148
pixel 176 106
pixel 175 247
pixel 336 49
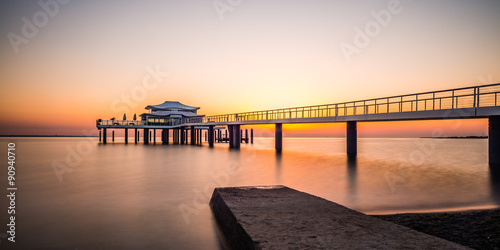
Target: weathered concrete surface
pixel 277 217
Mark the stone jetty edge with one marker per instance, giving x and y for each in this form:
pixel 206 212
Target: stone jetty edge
pixel 256 217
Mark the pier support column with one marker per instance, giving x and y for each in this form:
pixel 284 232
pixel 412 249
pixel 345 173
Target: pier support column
pixel 126 136
pixel 113 136
pixel 231 136
pixel 251 135
pixel 193 136
pixel 167 136
pixel 154 136
pixel 183 136
pixel 164 136
pixel 352 139
pixel 146 136
pixel 246 136
pixel 237 135
pixel 211 135
pixel 278 140
pixel 494 140
pixel 135 135
pixel 177 136
pixel 104 137
pixel 200 136
pixel 100 135
pixel 234 136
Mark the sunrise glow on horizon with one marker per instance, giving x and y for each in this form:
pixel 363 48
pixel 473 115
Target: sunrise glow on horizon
pixel 101 59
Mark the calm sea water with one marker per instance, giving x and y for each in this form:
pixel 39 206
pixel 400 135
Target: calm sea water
pixel 119 196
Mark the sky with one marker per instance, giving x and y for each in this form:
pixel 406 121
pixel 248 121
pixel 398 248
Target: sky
pixel 65 64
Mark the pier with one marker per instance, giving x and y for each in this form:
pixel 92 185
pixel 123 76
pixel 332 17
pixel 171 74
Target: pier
pixel 461 103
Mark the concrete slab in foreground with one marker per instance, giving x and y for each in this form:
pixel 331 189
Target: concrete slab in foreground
pixel 278 217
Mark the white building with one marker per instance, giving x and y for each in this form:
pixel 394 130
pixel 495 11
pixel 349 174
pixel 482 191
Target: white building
pixel 171 113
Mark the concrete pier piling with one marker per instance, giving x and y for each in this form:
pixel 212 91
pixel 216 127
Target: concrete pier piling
pixel 136 135
pixel 113 136
pixel 211 135
pixel 100 138
pixel 167 136
pixel 199 136
pixel 183 136
pixel 277 217
pixel 494 141
pixel 126 136
pixel 104 137
pixel 230 129
pixel 234 136
pixel 164 136
pixel 278 140
pixel 146 136
pixel 251 135
pixel 193 136
pixel 352 139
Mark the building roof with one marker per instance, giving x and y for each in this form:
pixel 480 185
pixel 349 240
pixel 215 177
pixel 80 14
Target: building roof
pixel 172 105
pixel 167 113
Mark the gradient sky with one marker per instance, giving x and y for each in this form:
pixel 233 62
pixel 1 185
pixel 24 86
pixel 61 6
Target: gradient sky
pixel 262 55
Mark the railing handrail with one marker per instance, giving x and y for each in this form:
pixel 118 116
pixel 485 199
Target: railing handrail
pixel 343 104
pixel 359 107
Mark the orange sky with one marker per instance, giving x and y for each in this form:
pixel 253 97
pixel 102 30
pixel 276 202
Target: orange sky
pixel 91 59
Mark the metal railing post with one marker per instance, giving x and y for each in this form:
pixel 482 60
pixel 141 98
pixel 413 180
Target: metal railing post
pixel 452 99
pixel 416 103
pixel 401 105
pixel 433 101
pixel 478 95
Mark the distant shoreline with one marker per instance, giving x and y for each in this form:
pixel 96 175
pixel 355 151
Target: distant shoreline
pixel 458 137
pixel 47 136
pixel 326 137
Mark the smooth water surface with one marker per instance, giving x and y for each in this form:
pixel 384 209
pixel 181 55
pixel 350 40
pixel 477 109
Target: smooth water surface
pixel 119 196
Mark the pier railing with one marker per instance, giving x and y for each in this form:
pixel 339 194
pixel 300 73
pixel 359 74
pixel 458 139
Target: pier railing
pixel 469 97
pixel 152 122
pixel 119 122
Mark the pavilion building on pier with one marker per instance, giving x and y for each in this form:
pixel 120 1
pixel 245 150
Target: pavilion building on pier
pixel 171 113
